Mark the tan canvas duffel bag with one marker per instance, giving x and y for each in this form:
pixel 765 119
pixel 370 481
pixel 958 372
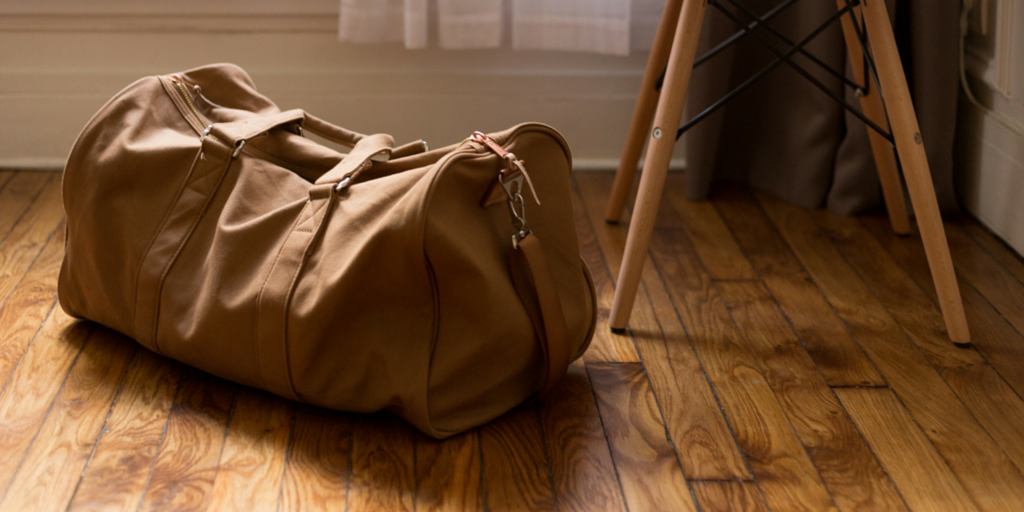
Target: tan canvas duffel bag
pixel 445 286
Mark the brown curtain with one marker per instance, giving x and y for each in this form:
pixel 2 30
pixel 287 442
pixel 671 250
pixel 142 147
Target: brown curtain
pixel 786 137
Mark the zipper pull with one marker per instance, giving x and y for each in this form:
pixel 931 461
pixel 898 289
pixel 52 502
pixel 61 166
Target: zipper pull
pixel 514 164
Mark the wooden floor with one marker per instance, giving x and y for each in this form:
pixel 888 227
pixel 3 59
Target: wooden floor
pixel 778 359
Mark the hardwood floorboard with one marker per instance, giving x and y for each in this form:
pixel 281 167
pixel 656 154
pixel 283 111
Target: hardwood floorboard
pixel 28 306
pixel 448 474
pixel 725 496
pixel 717 248
pixel 119 467
pixel 27 238
pixel 605 346
pixel 982 270
pixel 62 446
pixel 251 467
pixel 852 474
pixel 991 334
pixel 514 463
pixel 650 473
pixel 696 424
pixel 784 472
pixel 776 359
pixel 19 190
pixel 834 350
pixel 985 471
pixel 583 474
pixel 923 477
pixel 30 391
pixel 182 475
pixel 1004 254
pixel 319 454
pixel 383 465
pixel 989 398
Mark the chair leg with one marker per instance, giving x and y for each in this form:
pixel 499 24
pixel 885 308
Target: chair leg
pixel 644 110
pixel 871 105
pixel 910 148
pixel 659 152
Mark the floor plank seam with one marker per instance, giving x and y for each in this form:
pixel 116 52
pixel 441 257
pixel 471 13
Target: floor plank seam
pixel 287 454
pixel 103 427
pixel 163 436
pixel 49 409
pixel 27 208
pixel 707 377
pixel 35 259
pixel 757 204
pixel 1002 243
pixel 746 346
pixel 547 456
pixel 223 444
pixel 607 442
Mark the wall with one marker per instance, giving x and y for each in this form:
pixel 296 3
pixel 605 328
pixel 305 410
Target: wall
pixel 60 60
pixel 990 140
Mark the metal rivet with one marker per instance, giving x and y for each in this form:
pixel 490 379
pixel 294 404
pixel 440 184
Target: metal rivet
pixel 657 133
pixel 917 138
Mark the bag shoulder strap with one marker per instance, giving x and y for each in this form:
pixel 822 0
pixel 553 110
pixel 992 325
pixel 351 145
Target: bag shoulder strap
pixel 532 278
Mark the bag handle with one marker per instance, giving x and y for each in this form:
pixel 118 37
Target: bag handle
pixel 370 148
pixel 238 131
pixel 532 278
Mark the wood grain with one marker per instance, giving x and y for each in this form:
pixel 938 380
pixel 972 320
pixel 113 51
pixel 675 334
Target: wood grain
pixel 726 496
pixel 694 418
pixel 581 466
pixel 17 192
pixel 32 387
pixel 29 305
pixel 515 467
pixel 1003 253
pixel 922 476
pixel 65 441
pixel 983 271
pixel 119 467
pixel 605 346
pixel 649 471
pixel 448 475
pixel 836 353
pixel 989 398
pixel 316 469
pixel 977 461
pixel 715 245
pixel 785 474
pixel 28 236
pixel 252 464
pixel 846 464
pixel 997 340
pixel 183 473
pixel 383 467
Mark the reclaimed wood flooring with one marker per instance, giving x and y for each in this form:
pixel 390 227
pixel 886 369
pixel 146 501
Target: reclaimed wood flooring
pixel 777 359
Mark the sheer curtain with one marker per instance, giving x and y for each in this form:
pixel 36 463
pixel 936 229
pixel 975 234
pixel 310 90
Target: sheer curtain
pixel 613 27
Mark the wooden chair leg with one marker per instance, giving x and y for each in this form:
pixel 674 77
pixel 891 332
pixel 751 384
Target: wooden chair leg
pixel 644 110
pixel 659 153
pixel 910 148
pixel 871 104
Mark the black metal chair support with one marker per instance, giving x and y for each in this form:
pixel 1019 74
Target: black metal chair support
pixel 785 56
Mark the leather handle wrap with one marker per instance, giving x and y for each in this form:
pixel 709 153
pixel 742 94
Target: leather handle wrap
pixel 532 278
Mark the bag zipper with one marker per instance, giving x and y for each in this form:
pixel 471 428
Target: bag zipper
pixel 181 86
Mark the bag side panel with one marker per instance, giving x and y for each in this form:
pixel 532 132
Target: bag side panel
pixel 122 175
pixel 488 359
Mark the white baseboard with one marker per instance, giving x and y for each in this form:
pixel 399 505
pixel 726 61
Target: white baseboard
pixel 991 174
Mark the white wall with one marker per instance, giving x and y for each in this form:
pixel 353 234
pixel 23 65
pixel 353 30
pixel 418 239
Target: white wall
pixel 990 153
pixel 60 60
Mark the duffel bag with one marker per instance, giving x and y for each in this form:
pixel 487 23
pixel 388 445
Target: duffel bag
pixel 444 286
